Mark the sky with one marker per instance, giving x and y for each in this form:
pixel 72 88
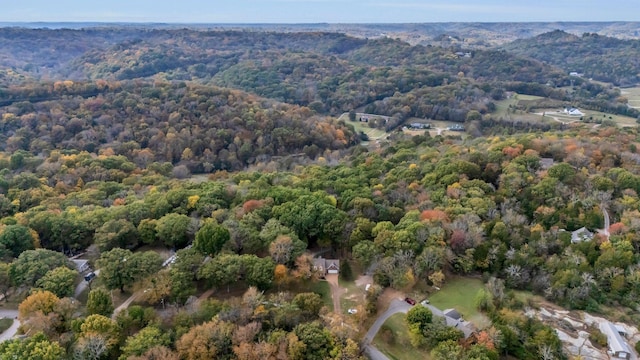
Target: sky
pixel 317 11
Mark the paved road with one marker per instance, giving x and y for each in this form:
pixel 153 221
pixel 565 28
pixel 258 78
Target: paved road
pixel 396 306
pixel 12 314
pixel 82 286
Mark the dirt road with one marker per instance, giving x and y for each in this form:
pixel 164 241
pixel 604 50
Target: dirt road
pixel 336 292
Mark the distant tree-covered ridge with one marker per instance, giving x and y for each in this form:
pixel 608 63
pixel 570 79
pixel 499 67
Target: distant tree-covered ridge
pixel 595 56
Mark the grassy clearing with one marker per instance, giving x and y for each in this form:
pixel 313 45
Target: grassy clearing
pixel 5 323
pixel 393 340
pixel 502 106
pixel 352 297
pixel 460 293
pixel 372 133
pixel 322 288
pixel 590 117
pixel 633 94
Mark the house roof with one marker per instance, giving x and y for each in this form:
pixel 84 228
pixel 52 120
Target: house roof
pixel 452 313
pixel 80 264
pixel 616 343
pixel 319 262
pixel 332 264
pixel 582 234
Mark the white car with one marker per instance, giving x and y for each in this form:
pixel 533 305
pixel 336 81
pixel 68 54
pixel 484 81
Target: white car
pixel 352 311
pixel 424 302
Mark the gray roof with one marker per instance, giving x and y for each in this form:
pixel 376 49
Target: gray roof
pixel 452 313
pixel 581 235
pixel 616 343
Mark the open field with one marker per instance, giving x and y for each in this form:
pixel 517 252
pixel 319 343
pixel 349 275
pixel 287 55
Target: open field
pixel 503 105
pixel 393 340
pixel 372 133
pixel 633 94
pixel 590 117
pixel 460 294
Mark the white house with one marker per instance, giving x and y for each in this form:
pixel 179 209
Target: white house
pixel 573 112
pixel 581 235
pixel 618 347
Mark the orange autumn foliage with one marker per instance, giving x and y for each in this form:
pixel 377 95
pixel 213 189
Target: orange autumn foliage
pixel 439 215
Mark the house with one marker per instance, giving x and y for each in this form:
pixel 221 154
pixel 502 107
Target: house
pixel 326 266
pixel 452 313
pixel 576 74
pixel 456 127
pixel 618 347
pixel 573 112
pixel 81 265
pixel 581 235
pixel 420 126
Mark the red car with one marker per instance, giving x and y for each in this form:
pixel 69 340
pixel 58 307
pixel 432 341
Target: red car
pixel 410 301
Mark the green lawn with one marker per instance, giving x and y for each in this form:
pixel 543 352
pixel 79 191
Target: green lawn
pixel 393 340
pixel 373 133
pixel 5 323
pixel 460 294
pixel 322 288
pixel 353 297
pixel 633 95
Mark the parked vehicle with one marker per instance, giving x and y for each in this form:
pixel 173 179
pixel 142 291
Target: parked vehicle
pixel 89 276
pixel 410 301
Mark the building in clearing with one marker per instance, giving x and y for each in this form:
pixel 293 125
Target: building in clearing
pixel 618 347
pixel 581 235
pixel 573 112
pixel 81 265
pixel 326 266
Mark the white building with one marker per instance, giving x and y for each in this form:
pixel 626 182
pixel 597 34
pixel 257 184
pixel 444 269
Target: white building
pixel 573 112
pixel 618 347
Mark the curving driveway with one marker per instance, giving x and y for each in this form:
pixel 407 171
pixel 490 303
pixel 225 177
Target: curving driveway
pixel 396 306
pixel 11 331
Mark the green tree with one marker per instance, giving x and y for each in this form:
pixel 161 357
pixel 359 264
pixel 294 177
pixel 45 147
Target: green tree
pixel 59 281
pixel 447 350
pixel 173 230
pixel 147 231
pixel 36 347
pixel 419 316
pixel 99 302
pixel 318 340
pixel 259 272
pixel 120 267
pixel 144 340
pixel 222 270
pixel 309 303
pixel 32 265
pixel 5 280
pixel 16 239
pixel 115 269
pixel 211 238
pixel 116 233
